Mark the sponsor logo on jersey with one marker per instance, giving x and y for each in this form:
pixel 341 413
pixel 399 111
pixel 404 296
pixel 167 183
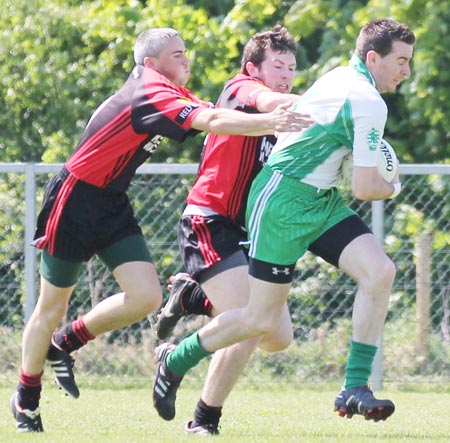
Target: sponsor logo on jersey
pixel 265 149
pixel 184 113
pixel 373 139
pixel 152 144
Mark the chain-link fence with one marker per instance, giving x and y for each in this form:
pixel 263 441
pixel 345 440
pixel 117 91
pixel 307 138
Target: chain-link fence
pixel 414 229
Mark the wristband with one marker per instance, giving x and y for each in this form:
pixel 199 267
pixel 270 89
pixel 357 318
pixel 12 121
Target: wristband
pixel 397 189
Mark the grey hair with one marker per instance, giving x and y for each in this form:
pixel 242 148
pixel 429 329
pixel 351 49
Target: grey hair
pixel 150 42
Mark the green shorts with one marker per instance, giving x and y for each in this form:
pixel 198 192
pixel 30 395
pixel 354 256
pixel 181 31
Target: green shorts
pixel 284 216
pixel 65 273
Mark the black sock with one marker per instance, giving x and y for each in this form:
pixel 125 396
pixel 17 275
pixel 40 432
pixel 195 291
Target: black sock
pixel 28 397
pixel 29 390
pixel 196 302
pixel 207 415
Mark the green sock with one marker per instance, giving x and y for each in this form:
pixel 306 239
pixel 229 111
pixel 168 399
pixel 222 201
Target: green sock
pixel 359 365
pixel 186 355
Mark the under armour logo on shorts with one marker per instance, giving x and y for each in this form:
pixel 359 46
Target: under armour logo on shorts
pixel 285 271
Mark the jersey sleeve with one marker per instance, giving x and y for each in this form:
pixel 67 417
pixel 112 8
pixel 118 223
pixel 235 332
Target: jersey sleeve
pixel 241 93
pixel 160 107
pixel 369 114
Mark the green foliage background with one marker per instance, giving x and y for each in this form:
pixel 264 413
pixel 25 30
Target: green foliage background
pixel 61 58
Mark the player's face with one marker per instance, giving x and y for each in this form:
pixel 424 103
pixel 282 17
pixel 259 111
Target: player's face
pixel 389 71
pixel 172 61
pixel 277 71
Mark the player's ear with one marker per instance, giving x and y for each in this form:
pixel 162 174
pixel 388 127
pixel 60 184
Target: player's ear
pixel 252 69
pixel 371 57
pixel 150 62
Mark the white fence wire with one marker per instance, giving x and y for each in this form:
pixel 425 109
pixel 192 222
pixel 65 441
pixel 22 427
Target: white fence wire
pixel 414 229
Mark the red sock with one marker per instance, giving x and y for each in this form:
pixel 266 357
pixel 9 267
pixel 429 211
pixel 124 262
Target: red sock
pixel 29 379
pixel 72 336
pixel 80 331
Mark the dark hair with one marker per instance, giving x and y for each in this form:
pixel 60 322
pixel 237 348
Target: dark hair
pixel 379 36
pixel 278 39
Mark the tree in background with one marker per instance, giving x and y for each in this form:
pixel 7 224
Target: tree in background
pixel 61 58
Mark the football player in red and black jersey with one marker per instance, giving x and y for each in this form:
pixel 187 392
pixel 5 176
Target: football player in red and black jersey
pixel 86 210
pixel 211 230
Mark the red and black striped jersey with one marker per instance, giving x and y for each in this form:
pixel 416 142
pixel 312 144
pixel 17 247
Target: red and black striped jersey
pixel 229 163
pixel 127 128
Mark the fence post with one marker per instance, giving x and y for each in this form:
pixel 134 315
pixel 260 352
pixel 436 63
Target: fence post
pixel 423 296
pixel 29 251
pixel 378 230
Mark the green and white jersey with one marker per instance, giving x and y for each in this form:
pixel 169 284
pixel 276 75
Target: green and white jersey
pixel 349 115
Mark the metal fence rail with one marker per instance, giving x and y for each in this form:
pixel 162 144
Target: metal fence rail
pixel 414 229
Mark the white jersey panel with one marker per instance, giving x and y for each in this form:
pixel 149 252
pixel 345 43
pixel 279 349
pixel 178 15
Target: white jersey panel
pixel 322 101
pixel 369 112
pixel 326 175
pixel 349 115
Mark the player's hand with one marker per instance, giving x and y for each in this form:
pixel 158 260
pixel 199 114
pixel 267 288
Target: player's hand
pixel 287 120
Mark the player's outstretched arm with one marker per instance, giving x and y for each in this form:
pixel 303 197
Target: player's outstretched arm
pixel 267 101
pixel 228 121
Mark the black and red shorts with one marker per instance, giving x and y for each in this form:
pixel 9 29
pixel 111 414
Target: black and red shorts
pixel 205 241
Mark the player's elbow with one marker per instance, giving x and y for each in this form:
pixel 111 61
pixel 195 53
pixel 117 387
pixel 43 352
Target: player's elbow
pixel 367 185
pixel 370 193
pixel 366 190
pixel 362 194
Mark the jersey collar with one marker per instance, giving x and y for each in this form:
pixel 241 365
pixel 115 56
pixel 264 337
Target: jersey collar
pixel 357 64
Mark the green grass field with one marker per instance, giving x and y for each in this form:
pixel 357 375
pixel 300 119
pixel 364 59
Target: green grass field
pixel 126 415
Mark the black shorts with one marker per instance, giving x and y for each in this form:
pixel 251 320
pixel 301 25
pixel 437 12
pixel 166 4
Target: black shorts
pixel 78 219
pixel 205 242
pixel 328 246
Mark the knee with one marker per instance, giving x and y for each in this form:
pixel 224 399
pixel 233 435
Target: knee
pixel 277 342
pixel 147 300
pixel 284 341
pixel 382 275
pixel 259 327
pixel 154 300
pixel 386 272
